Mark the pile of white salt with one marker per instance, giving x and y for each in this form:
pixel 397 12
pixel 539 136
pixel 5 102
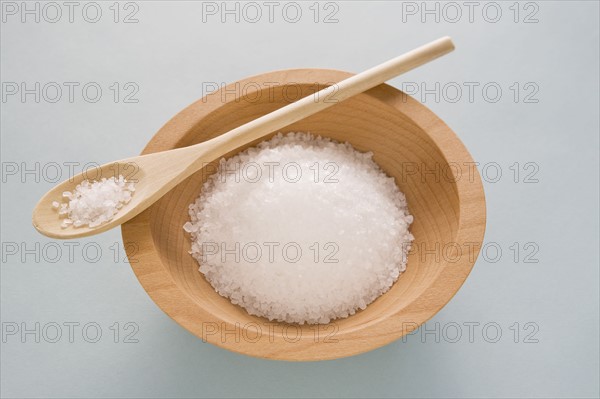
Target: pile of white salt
pixel 300 229
pixel 93 203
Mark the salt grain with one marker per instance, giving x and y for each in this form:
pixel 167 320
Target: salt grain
pixel 93 203
pixel 349 220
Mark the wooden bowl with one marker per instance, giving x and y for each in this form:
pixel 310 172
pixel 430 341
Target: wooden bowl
pixel 429 163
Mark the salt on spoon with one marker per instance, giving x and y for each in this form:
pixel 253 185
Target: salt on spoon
pixel 93 203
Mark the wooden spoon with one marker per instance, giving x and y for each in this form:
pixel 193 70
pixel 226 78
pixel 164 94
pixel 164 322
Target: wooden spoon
pixel 160 172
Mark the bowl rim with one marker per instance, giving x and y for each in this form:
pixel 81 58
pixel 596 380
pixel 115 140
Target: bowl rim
pixel 146 263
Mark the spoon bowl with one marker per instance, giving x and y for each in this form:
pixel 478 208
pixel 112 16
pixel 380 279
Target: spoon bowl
pixel 152 180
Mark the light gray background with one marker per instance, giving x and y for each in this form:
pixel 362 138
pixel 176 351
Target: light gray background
pixel 169 53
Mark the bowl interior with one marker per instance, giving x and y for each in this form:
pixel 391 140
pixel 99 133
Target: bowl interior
pixel 409 143
pixel 400 147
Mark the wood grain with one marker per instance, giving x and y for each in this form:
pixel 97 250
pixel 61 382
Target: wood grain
pixel 407 140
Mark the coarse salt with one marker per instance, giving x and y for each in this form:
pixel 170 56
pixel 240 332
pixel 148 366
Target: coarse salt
pixel 93 203
pixel 300 229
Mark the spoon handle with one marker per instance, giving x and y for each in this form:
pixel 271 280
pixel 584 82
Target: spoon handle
pixel 332 95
